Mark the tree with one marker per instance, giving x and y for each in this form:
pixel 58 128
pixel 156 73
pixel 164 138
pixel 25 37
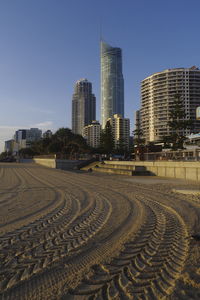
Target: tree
pixel 106 139
pixel 178 123
pixel 55 147
pixel 121 147
pixel 63 142
pixel 166 140
pixel 63 135
pixel 3 155
pixel 27 152
pixel 138 137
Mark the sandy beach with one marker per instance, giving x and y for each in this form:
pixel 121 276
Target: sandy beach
pixel 78 235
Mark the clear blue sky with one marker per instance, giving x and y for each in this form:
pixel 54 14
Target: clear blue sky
pixel 47 45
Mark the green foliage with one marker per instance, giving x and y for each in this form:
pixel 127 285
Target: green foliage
pixel 106 140
pixel 54 147
pixel 3 155
pixel 138 137
pixel 167 142
pixel 178 123
pixel 121 147
pixel 151 147
pixel 63 142
pixel 27 152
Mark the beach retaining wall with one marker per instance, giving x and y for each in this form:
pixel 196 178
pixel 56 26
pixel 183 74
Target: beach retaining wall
pixel 185 170
pixel 47 162
pixel 62 164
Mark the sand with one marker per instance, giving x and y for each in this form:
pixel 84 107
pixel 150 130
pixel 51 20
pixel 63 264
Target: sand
pixel 67 235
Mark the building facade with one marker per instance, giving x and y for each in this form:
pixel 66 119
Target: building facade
pixel 20 134
pixel 33 134
pixel 9 145
pixel 158 92
pixel 24 137
pixel 83 106
pixel 92 134
pixel 112 82
pixel 120 130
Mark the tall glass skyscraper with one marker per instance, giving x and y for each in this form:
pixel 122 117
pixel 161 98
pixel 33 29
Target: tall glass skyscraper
pixel 112 82
pixel 83 106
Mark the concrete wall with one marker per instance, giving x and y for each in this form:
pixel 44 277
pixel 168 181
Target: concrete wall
pixel 62 164
pixel 26 160
pixel 65 164
pixel 185 170
pixel 47 162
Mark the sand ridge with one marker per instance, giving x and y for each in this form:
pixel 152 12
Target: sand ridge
pixel 68 235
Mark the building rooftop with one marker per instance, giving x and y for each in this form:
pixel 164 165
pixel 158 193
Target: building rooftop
pixel 193 68
pixel 82 80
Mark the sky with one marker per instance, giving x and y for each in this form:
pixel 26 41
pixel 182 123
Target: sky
pixel 47 45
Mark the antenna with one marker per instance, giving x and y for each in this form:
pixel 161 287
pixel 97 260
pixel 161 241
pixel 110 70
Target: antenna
pixel 100 29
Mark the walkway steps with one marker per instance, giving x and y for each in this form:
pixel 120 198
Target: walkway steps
pixel 113 171
pixel 120 169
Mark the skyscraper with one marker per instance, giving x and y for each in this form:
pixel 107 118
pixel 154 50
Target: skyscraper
pixel 112 82
pixel 83 106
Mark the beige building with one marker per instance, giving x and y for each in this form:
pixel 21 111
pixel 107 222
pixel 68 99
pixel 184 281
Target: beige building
pixel 157 97
pixel 92 134
pixel 120 129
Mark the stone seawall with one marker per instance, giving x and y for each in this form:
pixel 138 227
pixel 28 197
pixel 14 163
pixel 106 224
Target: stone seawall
pixel 62 164
pixel 65 164
pixel 184 170
pixel 47 162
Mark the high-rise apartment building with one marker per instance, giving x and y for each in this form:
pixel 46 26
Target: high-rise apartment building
pixel 120 130
pixel 92 134
pixel 158 92
pixel 83 106
pixel 112 82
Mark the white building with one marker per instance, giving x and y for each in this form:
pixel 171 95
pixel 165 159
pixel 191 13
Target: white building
pixel 92 134
pixel 157 96
pixel 121 130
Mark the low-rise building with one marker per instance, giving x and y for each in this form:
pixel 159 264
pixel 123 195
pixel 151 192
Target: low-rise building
pixel 11 146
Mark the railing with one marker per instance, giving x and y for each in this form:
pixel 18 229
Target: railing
pixel 182 155
pixel 45 156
